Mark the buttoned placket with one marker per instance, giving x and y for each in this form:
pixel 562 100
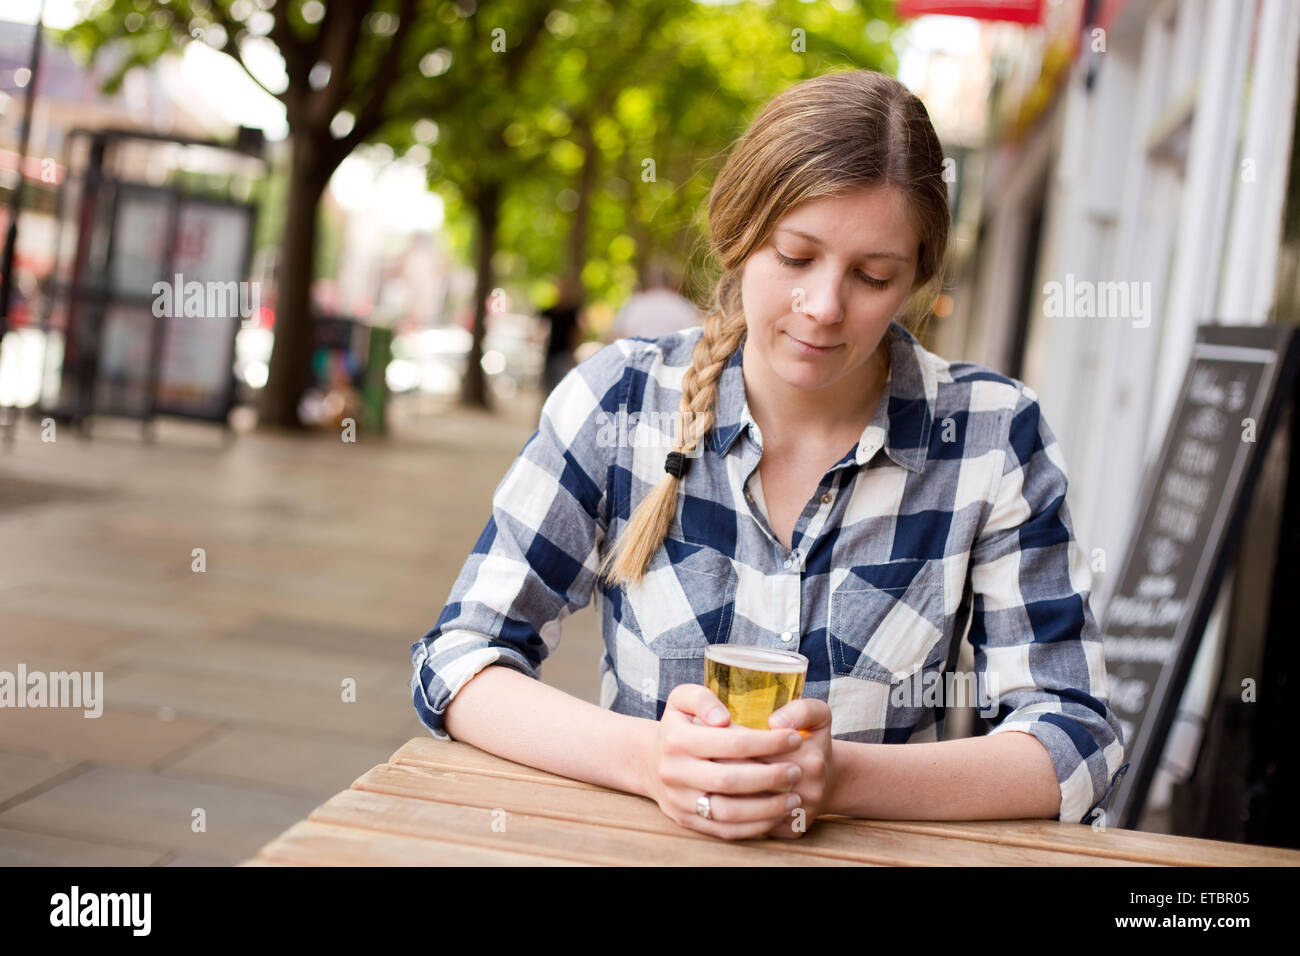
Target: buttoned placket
pixel 790 586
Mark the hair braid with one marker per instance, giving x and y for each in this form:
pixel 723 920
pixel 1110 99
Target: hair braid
pixel 626 562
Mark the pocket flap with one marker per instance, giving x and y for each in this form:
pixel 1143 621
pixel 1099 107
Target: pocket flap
pixel 887 620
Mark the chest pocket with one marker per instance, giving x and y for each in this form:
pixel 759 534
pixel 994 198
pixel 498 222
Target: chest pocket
pixel 886 621
pixel 684 602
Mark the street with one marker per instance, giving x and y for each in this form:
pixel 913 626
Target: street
pixel 237 697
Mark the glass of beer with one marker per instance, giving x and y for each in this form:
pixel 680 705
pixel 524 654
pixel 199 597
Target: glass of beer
pixel 753 682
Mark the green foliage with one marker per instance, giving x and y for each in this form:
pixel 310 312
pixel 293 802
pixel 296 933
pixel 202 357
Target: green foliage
pixel 664 87
pixel 524 93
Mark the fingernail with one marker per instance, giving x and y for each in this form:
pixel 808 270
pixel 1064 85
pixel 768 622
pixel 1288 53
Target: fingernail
pixel 794 773
pixel 718 715
pixel 792 801
pixel 795 740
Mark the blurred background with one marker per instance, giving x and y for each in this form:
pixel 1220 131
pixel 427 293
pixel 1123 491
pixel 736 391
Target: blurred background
pixel 286 281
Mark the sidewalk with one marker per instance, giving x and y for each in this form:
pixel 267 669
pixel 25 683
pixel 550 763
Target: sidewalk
pixel 224 689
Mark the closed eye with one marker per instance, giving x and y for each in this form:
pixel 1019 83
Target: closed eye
pixel 800 263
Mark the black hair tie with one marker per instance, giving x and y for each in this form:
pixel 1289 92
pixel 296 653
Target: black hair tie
pixel 675 464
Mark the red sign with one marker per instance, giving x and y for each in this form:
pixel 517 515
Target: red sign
pixel 1015 11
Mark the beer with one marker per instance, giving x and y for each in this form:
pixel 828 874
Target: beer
pixel 753 682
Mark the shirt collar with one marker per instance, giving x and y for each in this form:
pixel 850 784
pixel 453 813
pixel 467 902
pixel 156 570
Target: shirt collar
pixel 902 419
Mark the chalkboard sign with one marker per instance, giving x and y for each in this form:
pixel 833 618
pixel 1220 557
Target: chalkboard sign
pixel 1193 503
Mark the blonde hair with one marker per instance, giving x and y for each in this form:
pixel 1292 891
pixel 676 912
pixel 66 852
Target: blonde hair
pixel 823 137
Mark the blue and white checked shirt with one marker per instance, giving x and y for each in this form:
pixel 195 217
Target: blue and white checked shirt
pixel 949 512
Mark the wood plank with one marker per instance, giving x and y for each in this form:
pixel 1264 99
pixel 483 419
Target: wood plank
pixel 1114 845
pixel 1160 849
pixel 321 844
pixel 607 808
pixel 541 835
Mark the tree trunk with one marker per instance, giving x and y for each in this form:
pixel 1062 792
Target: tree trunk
pixel 291 372
pixel 487 211
pixel 582 212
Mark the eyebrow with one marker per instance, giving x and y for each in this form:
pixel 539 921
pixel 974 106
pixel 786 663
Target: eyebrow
pixel 866 255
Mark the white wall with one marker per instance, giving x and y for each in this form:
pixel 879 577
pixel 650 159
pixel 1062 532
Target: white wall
pixel 1148 187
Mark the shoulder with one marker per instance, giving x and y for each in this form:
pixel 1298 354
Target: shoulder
pixel 979 388
pixel 973 388
pixel 1000 412
pixel 616 377
pixel 659 362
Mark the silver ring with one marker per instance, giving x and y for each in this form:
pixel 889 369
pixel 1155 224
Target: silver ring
pixel 702 807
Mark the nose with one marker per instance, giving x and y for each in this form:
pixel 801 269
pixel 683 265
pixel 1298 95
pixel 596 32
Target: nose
pixel 823 296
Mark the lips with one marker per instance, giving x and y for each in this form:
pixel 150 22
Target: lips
pixel 812 345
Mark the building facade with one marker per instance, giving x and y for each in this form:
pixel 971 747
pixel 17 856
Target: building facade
pixel 1151 166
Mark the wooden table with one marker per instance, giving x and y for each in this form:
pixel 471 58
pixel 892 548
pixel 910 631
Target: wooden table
pixel 448 803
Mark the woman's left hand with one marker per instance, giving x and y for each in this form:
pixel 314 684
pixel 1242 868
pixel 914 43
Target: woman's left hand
pixel 812 718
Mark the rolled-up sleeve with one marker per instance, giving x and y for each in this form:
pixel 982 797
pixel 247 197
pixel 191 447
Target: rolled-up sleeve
pixel 536 561
pixel 1037 646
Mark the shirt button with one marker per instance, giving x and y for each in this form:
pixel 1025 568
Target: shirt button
pixel 788 562
pixel 787 636
pixel 826 498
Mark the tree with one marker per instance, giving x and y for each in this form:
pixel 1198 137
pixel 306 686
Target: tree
pixel 546 114
pixel 547 75
pixel 600 157
pixel 342 63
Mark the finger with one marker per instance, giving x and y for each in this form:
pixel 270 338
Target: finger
pixel 708 743
pixel 727 831
pixel 808 714
pixel 770 810
pixel 784 831
pixel 745 777
pixel 696 700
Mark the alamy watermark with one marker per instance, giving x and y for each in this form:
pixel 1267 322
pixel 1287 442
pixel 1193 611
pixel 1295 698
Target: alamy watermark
pixel 206 300
pixel 948 690
pixel 75 908
pixel 55 689
pixel 1085 299
pixel 652 430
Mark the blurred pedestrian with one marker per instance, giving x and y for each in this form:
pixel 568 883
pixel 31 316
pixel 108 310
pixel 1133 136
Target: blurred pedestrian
pixel 563 320
pixel 657 309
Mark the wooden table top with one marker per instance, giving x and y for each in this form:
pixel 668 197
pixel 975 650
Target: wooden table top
pixel 443 803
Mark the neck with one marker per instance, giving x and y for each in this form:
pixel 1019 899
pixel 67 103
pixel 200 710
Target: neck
pixel 793 416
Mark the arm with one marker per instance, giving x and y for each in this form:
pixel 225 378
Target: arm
pixel 524 720
pixel 534 563
pixel 1003 776
pixel 1056 749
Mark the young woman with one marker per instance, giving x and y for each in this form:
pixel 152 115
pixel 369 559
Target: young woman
pixel 798 473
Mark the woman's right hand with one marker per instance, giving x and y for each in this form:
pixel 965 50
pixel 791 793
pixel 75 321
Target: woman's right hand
pixel 692 751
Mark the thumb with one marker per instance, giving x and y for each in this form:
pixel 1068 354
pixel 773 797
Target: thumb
pixel 698 702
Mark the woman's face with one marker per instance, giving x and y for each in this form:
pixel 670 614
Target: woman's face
pixel 849 263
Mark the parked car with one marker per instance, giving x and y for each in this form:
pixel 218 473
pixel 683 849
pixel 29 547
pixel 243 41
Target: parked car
pixel 433 360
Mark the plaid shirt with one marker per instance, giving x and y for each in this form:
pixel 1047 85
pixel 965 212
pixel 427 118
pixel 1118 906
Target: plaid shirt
pixel 949 513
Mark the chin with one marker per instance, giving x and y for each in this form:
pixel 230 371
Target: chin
pixel 800 376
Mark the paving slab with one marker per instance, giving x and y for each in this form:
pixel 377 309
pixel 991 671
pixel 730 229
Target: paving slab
pixel 22 773
pixel 156 811
pixel 117 737
pixel 281 761
pixel 379 712
pixel 21 848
